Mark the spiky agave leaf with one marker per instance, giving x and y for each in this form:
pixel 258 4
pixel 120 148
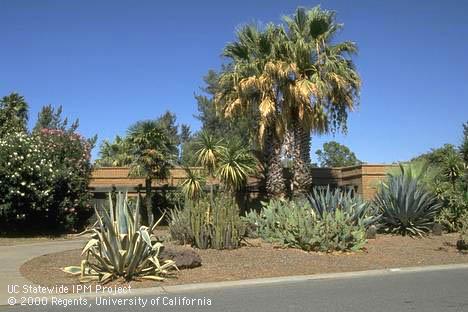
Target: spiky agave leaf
pixel 121 247
pixel 406 205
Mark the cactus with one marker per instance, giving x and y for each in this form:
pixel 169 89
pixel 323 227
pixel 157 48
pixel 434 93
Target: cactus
pixel 210 222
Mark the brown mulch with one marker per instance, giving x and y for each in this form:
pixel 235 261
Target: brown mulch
pixel 264 260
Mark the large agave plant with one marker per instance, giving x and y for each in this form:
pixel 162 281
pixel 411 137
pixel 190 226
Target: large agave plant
pixel 120 247
pixel 354 208
pixel 406 205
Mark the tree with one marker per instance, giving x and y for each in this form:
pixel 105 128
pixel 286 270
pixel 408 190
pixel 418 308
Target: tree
pixel 324 84
pixel 436 156
pixel 250 83
pixel 13 114
pixel 299 82
pixel 153 153
pixel 335 154
pixel 464 145
pixel 114 154
pixel 51 118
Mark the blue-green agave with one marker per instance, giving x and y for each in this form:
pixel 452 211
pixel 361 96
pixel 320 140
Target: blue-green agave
pixel 407 206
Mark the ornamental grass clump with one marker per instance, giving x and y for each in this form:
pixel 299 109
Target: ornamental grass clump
pixel 120 247
pixel 407 206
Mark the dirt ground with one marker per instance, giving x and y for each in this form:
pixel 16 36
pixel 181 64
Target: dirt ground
pixel 265 260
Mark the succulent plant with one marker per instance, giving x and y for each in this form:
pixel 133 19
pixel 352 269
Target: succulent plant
pixel 357 210
pixel 209 222
pixel 297 224
pixel 406 205
pixel 120 247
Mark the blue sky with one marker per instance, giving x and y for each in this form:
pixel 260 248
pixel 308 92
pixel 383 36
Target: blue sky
pixel 111 63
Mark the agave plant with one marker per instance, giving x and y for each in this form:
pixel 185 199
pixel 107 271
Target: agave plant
pixel 324 200
pixel 120 247
pixel 406 205
pixel 296 224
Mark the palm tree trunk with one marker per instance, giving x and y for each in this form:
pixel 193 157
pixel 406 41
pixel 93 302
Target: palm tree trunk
pixel 302 179
pixel 275 183
pixel 147 216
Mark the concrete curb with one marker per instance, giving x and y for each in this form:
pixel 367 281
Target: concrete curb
pixel 161 290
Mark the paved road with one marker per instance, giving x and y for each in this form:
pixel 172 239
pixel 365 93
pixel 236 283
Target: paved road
pixel 12 257
pixel 417 291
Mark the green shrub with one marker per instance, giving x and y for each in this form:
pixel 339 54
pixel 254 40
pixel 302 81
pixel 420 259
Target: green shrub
pixel 297 224
pixel 44 181
pixel 26 184
pixel 210 222
pixel 407 206
pixel 454 199
pixel 121 247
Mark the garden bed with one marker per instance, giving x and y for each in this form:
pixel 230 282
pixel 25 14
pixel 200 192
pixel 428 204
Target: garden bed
pixel 265 260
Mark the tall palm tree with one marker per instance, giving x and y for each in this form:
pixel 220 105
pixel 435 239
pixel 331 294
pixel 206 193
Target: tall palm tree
pixel 255 78
pixel 324 83
pixel 153 153
pixel 300 82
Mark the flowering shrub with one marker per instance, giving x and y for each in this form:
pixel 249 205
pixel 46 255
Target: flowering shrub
pixel 70 153
pixel 43 181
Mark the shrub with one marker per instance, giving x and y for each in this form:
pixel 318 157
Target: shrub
pixel 121 246
pixel 26 186
pixel 297 224
pixel 406 204
pixel 210 222
pixel 454 199
pixel 44 181
pixel 70 153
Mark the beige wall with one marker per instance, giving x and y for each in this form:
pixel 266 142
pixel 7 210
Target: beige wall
pixel 364 178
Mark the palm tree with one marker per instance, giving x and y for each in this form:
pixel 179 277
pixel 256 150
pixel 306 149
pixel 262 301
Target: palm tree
pixel 114 154
pixel 254 79
pixel 300 82
pixel 152 155
pixel 324 84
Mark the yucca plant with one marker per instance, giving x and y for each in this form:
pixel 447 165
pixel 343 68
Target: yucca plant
pixel 120 247
pixel 192 185
pixel 236 164
pixel 357 210
pixel 407 206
